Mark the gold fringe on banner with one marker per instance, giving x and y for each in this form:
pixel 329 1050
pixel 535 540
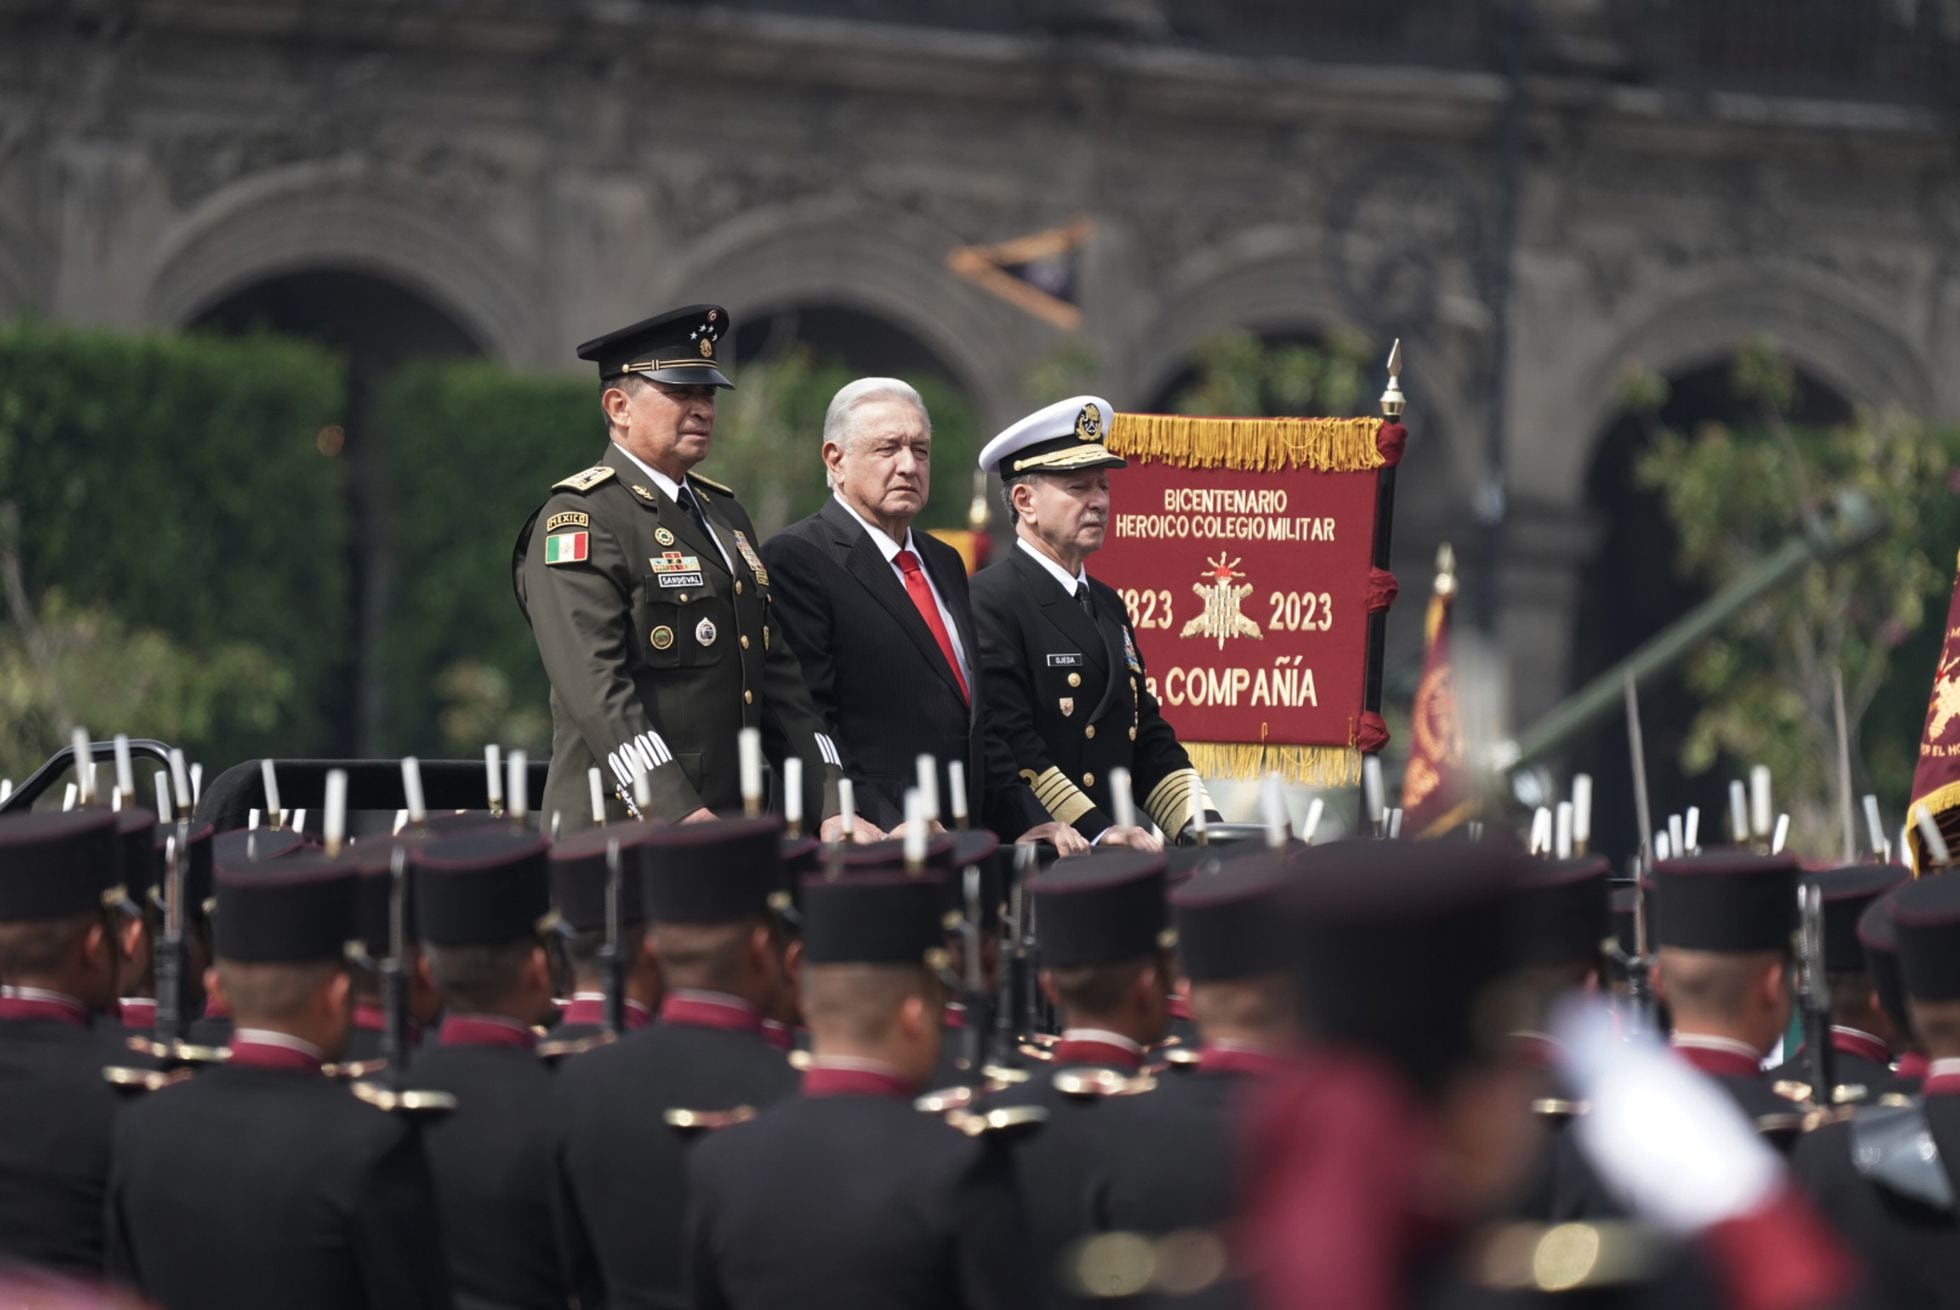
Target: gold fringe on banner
pixel 1325 445
pixel 1315 766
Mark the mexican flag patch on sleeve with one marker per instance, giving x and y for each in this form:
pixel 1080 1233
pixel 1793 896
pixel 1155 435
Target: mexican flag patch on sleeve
pixel 565 548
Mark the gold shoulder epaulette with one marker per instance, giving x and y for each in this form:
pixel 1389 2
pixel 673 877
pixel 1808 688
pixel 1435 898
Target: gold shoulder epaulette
pixel 1084 1084
pixel 567 1046
pixel 180 1052
pixel 1563 1257
pixel 585 481
pixel 1034 1052
pixel 973 1123
pixel 1791 1089
pixel 403 1102
pixel 1182 1058
pixel 1558 1107
pixel 354 1068
pixel 707 1121
pixel 799 1061
pixel 143 1080
pixel 712 485
pixel 945 1099
pixel 999 1076
pixel 1821 1117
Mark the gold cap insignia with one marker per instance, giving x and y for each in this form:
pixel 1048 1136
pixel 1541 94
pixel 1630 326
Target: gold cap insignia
pixel 707 347
pixel 1088 424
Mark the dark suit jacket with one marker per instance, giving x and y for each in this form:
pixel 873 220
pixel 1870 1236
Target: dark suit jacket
pixel 877 675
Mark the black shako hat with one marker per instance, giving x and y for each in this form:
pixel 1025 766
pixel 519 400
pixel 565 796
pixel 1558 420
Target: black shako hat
pixel 298 910
pixel 373 862
pixel 1879 937
pixel 1565 910
pixel 1847 893
pixel 1229 920
pixel 579 876
pixel 1926 914
pixel 715 872
pixel 237 846
pixel 1402 949
pixel 1729 900
pixel 681 348
pixel 1101 908
pixel 481 889
pixel 875 916
pixel 55 864
pixel 142 863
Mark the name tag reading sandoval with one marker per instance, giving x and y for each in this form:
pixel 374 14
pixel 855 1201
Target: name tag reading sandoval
pixel 673 569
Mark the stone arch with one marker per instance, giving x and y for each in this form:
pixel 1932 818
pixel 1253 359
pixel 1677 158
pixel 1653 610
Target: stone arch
pixel 317 216
pixel 891 267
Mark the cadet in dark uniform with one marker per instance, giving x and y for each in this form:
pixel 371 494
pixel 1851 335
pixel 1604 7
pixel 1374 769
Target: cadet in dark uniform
pixel 849 1195
pixel 650 604
pixel 1862 1037
pixel 481 903
pixel 1887 1179
pixel 578 889
pixel 626 1113
pixel 1725 930
pixel 140 869
pixel 373 860
pixel 1880 940
pixel 1064 676
pixel 1233 945
pixel 1105 962
pixel 260 1182
pixel 58 964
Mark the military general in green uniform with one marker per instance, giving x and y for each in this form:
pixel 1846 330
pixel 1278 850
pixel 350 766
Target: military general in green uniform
pixel 651 605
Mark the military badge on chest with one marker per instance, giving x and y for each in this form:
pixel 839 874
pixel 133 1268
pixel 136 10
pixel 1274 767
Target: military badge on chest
pixel 672 569
pixel 754 560
pixel 1068 706
pixel 704 632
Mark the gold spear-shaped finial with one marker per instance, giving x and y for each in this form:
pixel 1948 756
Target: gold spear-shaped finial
pixel 1392 397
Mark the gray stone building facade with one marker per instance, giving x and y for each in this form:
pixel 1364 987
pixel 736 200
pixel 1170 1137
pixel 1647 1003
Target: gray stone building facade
pixel 1644 182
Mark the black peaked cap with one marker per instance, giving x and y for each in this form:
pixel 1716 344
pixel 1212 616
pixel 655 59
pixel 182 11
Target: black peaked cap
pixel 1926 914
pixel 877 916
pixel 1729 900
pixel 482 889
pixel 293 911
pixel 1100 908
pixel 1229 918
pixel 55 864
pixel 715 872
pixel 579 875
pixel 681 348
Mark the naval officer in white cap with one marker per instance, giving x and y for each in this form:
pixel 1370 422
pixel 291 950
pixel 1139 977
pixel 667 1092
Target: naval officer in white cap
pixel 1064 676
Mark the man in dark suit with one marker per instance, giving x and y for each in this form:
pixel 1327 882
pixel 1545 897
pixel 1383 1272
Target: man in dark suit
pixel 1064 678
pixel 879 619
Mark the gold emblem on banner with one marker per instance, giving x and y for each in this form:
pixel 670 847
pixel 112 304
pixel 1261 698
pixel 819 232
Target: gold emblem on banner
pixel 1221 617
pixel 1068 706
pixel 1946 699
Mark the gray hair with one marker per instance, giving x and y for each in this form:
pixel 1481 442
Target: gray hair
pixel 837 426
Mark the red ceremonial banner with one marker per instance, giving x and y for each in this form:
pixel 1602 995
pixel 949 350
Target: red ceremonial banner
pixel 1251 591
pixel 1936 780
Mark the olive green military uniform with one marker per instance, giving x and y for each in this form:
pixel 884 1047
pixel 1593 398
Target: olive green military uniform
pixel 658 648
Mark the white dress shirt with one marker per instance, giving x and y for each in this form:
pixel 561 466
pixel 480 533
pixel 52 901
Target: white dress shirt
pixel 672 490
pixel 889 549
pixel 1055 570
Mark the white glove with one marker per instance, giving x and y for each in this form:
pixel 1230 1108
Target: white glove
pixel 1672 1143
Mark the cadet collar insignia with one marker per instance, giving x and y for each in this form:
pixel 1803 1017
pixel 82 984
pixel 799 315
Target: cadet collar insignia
pixel 642 493
pixel 663 536
pixel 1088 424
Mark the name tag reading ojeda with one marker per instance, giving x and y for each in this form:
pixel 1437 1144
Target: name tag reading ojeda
pixel 1067 661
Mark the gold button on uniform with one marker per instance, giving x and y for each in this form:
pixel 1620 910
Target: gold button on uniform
pixel 682 598
pixel 745 641
pixel 748 698
pixel 1133 734
pixel 738 586
pixel 1088 780
pixel 1090 732
pixel 1075 680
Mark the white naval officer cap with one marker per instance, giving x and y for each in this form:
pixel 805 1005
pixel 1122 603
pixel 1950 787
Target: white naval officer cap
pixel 1057 438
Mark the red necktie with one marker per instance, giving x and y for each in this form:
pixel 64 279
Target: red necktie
pixel 921 592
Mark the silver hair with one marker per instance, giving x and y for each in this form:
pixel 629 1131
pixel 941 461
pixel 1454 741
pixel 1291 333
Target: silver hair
pixel 837 419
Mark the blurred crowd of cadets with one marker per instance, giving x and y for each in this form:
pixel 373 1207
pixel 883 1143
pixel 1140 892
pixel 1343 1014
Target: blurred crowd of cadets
pixel 177 543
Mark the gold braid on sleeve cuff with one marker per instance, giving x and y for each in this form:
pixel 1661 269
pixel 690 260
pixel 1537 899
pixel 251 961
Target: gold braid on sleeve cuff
pixel 1171 801
pixel 1060 797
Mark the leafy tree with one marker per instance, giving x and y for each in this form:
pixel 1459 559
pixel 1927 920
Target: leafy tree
pixel 1240 375
pixel 1733 494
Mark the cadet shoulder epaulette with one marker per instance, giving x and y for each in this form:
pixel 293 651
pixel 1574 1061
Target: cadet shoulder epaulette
pixel 585 481
pixel 403 1102
pixel 1085 1084
pixel 1558 1107
pixel 1564 1257
pixel 1001 1076
pixel 1005 1119
pixel 568 1046
pixel 354 1068
pixel 143 1080
pixel 1032 1052
pixel 707 1121
pixel 712 485
pixel 799 1061
pixel 179 1052
pixel 1181 1058
pixel 946 1098
pixel 1843 1094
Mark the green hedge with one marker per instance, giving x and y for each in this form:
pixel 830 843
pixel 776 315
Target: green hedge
pixel 472 450
pixel 177 484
